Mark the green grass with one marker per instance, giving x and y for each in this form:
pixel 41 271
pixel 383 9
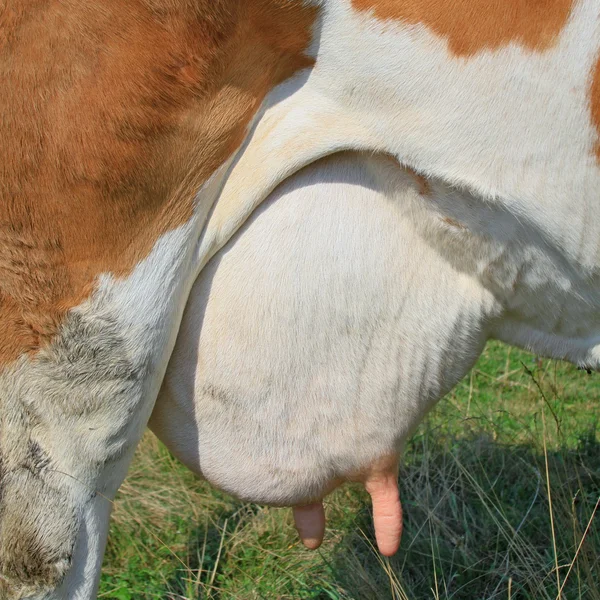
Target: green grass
pixel 500 486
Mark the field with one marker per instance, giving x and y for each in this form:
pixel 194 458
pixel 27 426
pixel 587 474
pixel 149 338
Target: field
pixel 500 489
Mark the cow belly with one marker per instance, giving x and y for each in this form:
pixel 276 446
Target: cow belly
pixel 313 343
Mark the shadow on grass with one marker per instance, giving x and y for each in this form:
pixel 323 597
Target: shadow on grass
pixel 478 526
pixel 206 554
pixel 477 510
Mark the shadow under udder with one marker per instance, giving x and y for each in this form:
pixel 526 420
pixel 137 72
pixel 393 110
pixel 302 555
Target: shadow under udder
pixel 476 525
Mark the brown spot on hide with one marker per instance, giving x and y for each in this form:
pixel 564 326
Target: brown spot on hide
pixel 595 105
pixel 474 25
pixel 113 115
pixel 422 183
pixel 453 223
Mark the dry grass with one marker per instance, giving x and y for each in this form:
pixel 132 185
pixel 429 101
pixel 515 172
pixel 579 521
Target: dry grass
pixel 500 487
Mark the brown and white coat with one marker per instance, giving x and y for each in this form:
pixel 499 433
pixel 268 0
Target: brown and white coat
pixel 138 137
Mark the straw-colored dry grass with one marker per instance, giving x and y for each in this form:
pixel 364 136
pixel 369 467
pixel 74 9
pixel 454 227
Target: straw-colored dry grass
pixel 500 487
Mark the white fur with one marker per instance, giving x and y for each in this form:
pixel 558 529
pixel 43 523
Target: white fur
pixel 512 128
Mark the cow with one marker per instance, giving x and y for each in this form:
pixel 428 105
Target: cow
pixel 138 138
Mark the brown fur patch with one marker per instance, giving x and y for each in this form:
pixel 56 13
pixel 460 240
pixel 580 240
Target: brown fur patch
pixel 422 183
pixel 595 105
pixel 474 25
pixel 453 223
pixel 113 115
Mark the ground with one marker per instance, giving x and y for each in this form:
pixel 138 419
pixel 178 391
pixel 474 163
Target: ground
pixel 500 488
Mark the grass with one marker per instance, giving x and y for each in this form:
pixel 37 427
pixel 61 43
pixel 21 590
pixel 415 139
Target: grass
pixel 500 488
